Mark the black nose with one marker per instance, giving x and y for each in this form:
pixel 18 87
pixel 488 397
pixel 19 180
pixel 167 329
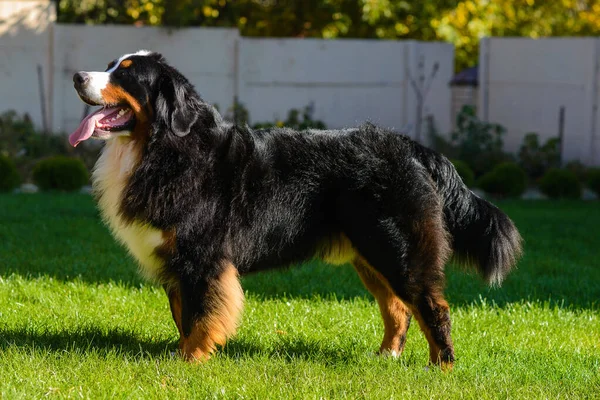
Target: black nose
pixel 81 78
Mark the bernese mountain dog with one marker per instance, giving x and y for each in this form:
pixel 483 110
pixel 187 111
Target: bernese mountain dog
pixel 198 201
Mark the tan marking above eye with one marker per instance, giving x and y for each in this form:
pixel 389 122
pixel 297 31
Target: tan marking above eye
pixel 126 64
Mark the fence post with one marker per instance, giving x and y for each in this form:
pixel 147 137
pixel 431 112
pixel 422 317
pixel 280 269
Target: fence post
pixel 484 79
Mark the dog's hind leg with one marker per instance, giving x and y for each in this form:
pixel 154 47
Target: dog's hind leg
pixel 432 312
pixel 210 311
pixel 422 289
pixel 396 316
pixel 175 304
pixel 409 254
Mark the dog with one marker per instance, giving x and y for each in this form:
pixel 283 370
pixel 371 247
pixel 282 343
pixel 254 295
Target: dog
pixel 198 201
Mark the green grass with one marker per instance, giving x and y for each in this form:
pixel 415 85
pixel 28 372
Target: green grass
pixel 77 321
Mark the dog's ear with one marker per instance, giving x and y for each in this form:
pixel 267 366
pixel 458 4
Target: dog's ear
pixel 177 106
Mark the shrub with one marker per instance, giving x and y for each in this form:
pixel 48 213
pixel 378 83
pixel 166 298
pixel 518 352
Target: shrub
pixel 476 142
pixel 593 180
pixel 9 177
pixel 560 183
pixel 296 120
pixel 536 159
pixel 465 172
pixel 506 179
pixel 20 141
pixel 60 173
pixel 578 169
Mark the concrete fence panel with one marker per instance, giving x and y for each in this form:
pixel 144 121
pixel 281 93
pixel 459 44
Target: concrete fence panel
pixel 348 81
pixel 525 82
pixel 25 43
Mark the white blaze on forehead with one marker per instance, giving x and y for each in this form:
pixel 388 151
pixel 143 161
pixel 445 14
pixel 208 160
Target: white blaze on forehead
pixel 125 56
pixel 99 80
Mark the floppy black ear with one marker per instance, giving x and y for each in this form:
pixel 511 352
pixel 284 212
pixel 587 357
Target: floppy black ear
pixel 177 106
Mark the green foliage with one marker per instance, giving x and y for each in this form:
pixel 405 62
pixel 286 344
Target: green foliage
pixel 593 180
pixel 20 141
pixel 506 180
pixel 238 114
pixel 560 183
pixel 299 120
pixel 470 20
pixel 578 169
pixel 536 159
pixel 477 142
pixel 9 176
pixel 60 173
pixel 465 172
pixel 16 134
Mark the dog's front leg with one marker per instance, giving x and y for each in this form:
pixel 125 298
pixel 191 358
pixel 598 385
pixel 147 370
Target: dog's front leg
pixel 206 310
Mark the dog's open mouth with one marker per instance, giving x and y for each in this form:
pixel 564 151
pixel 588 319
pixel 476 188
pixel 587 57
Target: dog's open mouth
pixel 102 123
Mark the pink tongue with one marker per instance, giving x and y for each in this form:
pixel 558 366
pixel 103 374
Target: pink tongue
pixel 87 126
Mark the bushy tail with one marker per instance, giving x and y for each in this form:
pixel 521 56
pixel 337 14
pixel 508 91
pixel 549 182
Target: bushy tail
pixel 482 235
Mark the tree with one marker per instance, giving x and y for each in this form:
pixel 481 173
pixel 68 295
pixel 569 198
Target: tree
pixel 471 20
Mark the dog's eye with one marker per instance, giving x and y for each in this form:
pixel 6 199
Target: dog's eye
pixel 118 72
pixel 111 64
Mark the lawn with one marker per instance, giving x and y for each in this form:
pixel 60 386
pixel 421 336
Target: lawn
pixel 77 321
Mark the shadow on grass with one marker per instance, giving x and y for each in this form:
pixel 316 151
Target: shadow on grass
pixel 292 349
pixel 86 340
pixel 61 236
pixel 128 344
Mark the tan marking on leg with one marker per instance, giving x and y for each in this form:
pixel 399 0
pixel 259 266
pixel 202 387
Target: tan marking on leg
pixel 175 304
pixel 226 300
pixel 437 354
pixel 396 316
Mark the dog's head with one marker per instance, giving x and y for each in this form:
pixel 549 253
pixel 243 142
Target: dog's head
pixel 139 94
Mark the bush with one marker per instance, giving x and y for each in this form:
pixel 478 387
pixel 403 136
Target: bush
pixel 20 141
pixel 60 173
pixel 578 169
pixel 593 180
pixel 560 183
pixel 294 121
pixel 9 177
pixel 465 172
pixel 536 159
pixel 506 179
pixel 476 142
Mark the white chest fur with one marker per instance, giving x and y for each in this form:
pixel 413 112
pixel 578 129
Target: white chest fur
pixel 111 173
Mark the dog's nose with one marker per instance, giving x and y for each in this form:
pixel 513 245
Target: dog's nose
pixel 81 78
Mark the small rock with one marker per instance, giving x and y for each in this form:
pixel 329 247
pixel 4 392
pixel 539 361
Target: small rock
pixel 478 192
pixel 533 194
pixel 28 188
pixel 589 195
pixel 86 190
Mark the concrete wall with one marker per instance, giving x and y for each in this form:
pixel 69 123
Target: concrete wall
pixel 348 81
pixel 25 43
pixel 525 82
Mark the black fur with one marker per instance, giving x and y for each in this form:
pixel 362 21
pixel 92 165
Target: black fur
pixel 482 235
pixel 270 198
